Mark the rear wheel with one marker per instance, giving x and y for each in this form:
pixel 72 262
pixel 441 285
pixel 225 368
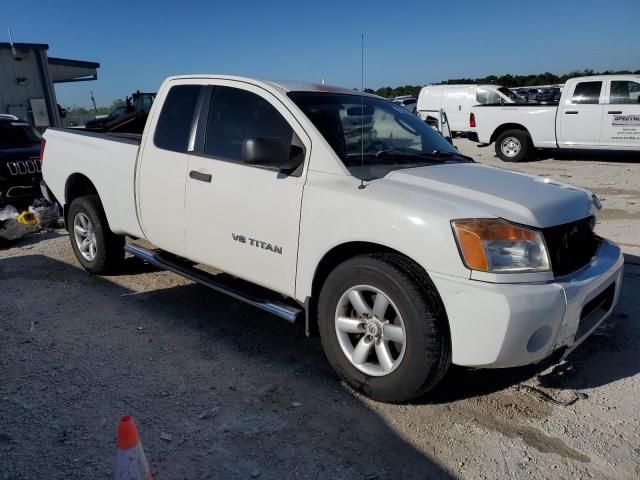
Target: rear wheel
pixel 512 145
pixel 97 248
pixel 383 327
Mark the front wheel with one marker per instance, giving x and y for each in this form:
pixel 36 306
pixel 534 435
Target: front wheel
pixel 383 327
pixel 512 145
pixel 97 248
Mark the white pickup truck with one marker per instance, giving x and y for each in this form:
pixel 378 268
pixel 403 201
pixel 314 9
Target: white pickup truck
pixel 349 213
pixel 597 112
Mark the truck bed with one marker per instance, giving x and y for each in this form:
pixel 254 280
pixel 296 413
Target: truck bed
pixel 108 159
pixel 134 138
pixel 539 119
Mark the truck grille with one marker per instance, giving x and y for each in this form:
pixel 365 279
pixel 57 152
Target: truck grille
pixel 23 167
pixel 571 246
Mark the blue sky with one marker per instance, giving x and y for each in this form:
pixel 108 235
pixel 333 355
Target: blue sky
pixel 139 42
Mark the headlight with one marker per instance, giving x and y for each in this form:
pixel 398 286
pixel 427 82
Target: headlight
pixel 497 246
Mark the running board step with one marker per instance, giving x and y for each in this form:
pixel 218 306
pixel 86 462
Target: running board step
pixel 235 288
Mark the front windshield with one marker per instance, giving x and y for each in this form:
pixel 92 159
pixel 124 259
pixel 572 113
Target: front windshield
pixel 18 134
pixel 371 131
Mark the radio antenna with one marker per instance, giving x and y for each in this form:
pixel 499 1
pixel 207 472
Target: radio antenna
pixel 362 111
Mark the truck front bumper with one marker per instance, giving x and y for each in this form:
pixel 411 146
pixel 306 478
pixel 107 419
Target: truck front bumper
pixel 497 325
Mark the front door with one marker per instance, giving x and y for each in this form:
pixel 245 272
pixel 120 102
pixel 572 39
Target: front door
pixel 162 169
pixel 580 116
pixel 244 219
pixel 621 125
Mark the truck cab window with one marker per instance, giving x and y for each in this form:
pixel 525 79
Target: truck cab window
pixel 235 115
pixel 587 93
pixel 176 117
pixel 487 97
pixel 624 92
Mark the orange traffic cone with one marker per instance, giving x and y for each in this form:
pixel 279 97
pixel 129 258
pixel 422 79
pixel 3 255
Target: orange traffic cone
pixel 131 464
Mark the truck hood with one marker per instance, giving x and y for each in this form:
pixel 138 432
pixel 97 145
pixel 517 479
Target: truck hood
pixel 490 191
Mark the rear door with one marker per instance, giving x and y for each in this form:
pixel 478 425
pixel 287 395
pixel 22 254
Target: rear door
pixel 162 169
pixel 244 219
pixel 621 125
pixel 580 115
pixel 456 102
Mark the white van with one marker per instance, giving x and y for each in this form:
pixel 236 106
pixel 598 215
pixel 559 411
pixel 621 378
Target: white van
pixel 457 100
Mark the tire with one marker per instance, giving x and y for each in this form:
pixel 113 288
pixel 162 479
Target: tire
pixel 512 145
pixel 423 356
pixel 104 252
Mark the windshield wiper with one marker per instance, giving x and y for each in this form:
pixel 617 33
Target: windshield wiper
pixel 391 154
pixel 441 156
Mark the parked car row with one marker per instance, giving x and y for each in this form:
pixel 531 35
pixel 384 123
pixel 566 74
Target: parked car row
pixel 539 94
pixel 407 101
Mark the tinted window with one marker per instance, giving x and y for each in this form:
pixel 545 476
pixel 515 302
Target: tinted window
pixel 587 93
pixel 17 133
pixel 624 92
pixel 235 115
pixel 174 124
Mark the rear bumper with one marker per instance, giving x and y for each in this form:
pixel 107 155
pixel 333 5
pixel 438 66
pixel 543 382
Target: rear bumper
pixel 507 325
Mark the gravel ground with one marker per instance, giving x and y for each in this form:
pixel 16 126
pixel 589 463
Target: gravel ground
pixel 220 390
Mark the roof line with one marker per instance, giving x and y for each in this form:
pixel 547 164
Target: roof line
pixel 40 46
pixel 72 63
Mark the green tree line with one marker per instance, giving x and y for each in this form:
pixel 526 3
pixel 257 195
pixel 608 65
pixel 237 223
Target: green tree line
pixel 508 81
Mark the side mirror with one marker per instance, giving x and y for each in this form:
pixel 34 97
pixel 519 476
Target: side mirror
pixel 271 152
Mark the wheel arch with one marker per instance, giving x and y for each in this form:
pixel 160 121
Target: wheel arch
pixel 344 251
pixel 509 126
pixel 77 185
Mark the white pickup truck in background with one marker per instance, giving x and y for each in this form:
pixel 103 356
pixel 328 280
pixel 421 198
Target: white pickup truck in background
pixel 457 100
pixel 597 112
pixel 349 213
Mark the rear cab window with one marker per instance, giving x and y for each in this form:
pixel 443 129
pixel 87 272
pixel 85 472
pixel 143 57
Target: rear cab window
pixel 174 125
pixel 487 97
pixel 587 93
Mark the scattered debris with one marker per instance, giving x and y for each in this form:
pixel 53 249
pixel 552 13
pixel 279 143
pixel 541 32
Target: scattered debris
pixel 27 218
pixel 255 474
pixel 8 212
pixel 46 214
pixel 296 404
pixel 541 395
pixel 11 230
pixel 166 436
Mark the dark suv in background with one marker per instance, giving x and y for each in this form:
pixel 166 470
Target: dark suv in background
pixel 20 169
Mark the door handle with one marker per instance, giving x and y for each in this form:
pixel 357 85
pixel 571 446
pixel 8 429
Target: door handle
pixel 202 177
pixel 571 112
pixel 615 112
